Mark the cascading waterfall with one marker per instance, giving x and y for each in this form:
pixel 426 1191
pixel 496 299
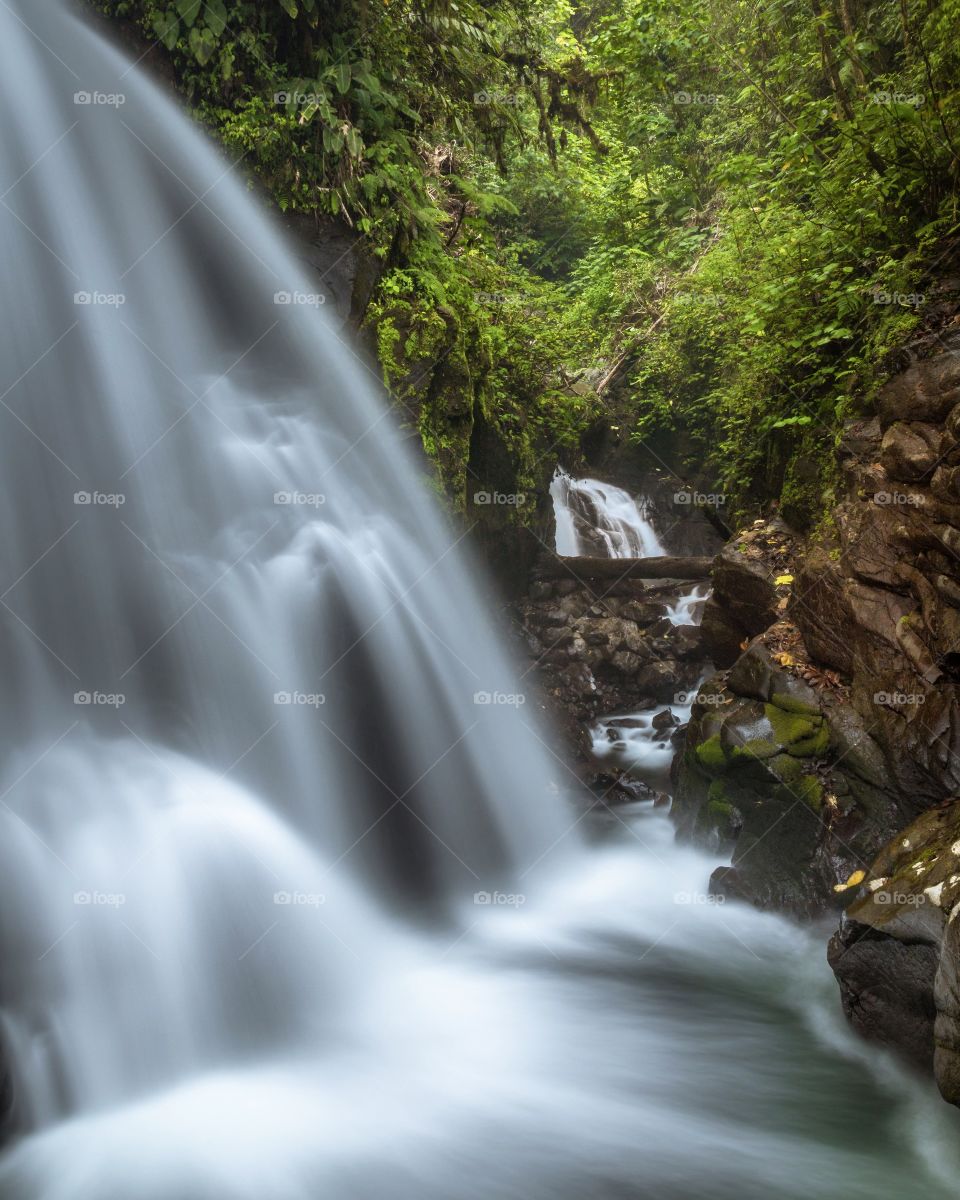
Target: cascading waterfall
pixel 289 903
pixel 590 513
pixel 600 518
pixel 237 692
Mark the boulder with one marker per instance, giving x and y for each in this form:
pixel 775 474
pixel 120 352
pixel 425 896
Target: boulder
pixel 897 954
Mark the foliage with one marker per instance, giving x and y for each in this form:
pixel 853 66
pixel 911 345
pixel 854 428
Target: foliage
pixel 739 210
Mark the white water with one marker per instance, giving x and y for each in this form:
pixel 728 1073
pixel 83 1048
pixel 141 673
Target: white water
pixel 687 609
pixel 240 945
pixel 595 518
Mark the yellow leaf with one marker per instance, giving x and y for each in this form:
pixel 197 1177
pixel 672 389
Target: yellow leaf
pixel 856 878
pixel 783 579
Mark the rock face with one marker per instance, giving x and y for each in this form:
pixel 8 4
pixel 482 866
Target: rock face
pixel 897 954
pixel 882 604
pixel 870 618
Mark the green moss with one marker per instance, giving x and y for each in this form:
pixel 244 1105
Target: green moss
pixel 754 750
pixel 790 727
pixel 786 768
pixel 809 789
pixel 710 755
pixel 791 704
pixel 814 746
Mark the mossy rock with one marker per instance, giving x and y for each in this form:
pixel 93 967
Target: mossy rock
pixel 810 790
pixel 791 704
pixel 815 746
pixel 718 797
pixel 718 821
pixel 757 749
pixel 787 769
pixel 791 727
pixel 710 755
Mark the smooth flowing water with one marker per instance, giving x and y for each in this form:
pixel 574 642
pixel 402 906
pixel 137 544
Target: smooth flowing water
pixel 595 518
pixel 292 904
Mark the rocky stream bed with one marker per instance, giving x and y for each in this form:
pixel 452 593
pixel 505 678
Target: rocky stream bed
pixel 812 716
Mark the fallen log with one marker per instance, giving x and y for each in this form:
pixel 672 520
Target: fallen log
pixel 588 569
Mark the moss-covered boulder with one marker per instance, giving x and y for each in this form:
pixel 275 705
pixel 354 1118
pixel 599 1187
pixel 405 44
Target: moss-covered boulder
pixel 770 773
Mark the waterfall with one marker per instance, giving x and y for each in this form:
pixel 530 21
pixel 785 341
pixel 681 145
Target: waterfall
pixel 291 902
pixel 595 518
pixel 249 693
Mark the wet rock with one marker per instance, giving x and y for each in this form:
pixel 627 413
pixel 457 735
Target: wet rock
pixel 897 954
pixel 886 989
pixel 664 720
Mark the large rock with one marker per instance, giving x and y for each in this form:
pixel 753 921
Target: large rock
pixel 746 598
pixel 897 954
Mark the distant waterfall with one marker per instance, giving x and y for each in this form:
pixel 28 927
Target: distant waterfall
pixel 595 518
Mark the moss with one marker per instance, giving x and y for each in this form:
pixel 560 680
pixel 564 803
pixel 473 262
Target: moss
pixel 791 704
pixel 809 789
pixel 719 816
pixel 802 735
pixel 754 750
pixel 786 768
pixel 814 746
pixel 710 755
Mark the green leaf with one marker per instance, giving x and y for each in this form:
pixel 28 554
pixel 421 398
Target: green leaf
pixel 202 44
pixel 332 140
pixel 290 8
pixel 341 76
pixel 167 26
pixel 215 15
pixel 189 10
